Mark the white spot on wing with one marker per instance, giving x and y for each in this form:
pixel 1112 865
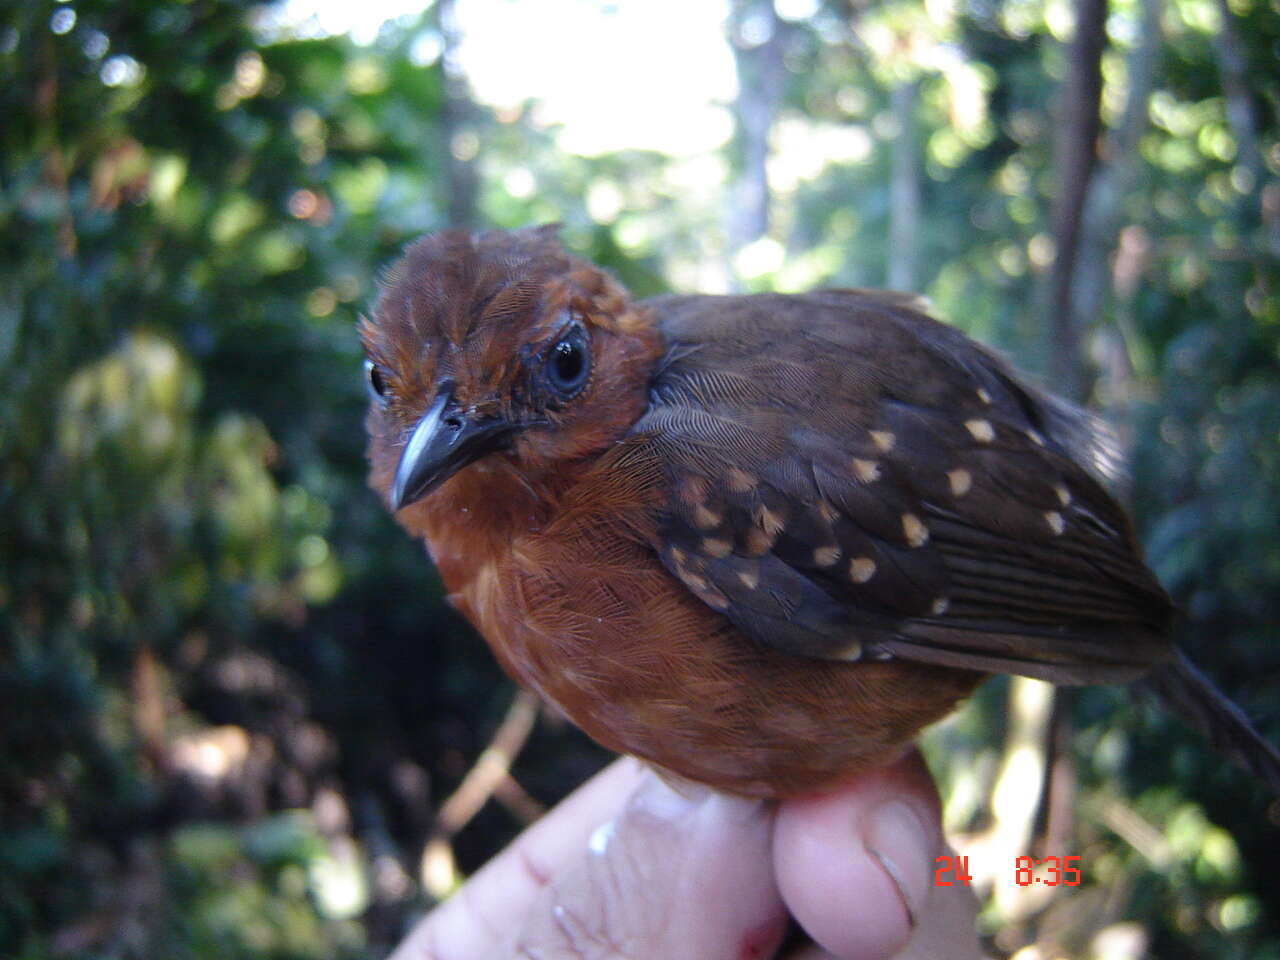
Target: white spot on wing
pixel 713 598
pixel 961 481
pixel 826 556
pixel 982 430
pixel 914 530
pixel 868 471
pixel 716 546
pixel 705 518
pixel 861 569
pixel 693 581
pixel 769 521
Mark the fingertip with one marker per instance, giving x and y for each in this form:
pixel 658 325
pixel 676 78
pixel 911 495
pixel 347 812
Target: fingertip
pixel 854 865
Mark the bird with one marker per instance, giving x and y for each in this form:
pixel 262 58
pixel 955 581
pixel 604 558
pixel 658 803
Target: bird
pixel 759 541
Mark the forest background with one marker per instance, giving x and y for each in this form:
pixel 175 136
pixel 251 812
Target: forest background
pixel 238 720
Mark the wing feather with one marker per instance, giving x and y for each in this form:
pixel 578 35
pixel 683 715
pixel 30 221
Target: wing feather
pixel 848 478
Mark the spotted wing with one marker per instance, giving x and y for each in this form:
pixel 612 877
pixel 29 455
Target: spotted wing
pixel 849 478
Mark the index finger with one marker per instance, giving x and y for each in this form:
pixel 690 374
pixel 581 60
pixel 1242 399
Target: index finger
pixel 476 920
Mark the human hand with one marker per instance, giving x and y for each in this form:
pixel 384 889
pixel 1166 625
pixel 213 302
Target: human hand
pixel 630 867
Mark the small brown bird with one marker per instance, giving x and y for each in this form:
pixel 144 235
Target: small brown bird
pixel 759 541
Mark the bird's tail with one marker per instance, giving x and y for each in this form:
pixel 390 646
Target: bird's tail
pixel 1191 694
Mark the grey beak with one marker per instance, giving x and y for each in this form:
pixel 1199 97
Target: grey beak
pixel 444 441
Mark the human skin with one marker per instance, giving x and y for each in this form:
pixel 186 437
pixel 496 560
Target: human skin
pixel 631 866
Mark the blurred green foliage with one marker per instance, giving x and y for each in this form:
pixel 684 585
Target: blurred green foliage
pixel 231 692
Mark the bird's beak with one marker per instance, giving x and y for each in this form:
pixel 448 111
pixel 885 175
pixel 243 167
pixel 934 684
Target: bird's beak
pixel 445 440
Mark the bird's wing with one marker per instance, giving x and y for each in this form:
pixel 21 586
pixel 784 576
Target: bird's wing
pixel 850 479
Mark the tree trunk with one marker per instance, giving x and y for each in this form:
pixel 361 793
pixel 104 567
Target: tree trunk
pixel 1115 179
pixel 1234 68
pixel 904 190
pixel 1075 155
pixel 756 35
pixel 457 119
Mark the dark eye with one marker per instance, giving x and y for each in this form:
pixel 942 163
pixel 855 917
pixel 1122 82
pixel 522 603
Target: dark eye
pixel 569 364
pixel 376 383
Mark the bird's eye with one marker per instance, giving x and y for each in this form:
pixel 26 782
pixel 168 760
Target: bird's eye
pixel 375 381
pixel 569 364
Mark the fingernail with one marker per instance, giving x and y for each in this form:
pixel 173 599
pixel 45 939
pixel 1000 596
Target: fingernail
pixel 899 838
pixel 668 801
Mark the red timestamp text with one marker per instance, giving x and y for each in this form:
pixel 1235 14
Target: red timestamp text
pixel 1050 871
pixel 953 871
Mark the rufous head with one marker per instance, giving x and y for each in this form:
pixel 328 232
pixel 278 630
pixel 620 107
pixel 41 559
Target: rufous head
pixel 498 348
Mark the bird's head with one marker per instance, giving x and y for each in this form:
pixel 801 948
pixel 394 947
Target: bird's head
pixel 502 351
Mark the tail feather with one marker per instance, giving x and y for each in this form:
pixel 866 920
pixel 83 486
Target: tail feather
pixel 1191 694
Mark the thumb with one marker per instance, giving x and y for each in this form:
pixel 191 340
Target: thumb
pixel 856 867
